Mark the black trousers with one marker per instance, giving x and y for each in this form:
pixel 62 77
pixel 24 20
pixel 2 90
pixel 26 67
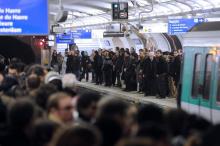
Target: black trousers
pixel 118 76
pixel 85 71
pixel 149 86
pixel 162 86
pixel 98 76
pixel 108 77
pixel 113 77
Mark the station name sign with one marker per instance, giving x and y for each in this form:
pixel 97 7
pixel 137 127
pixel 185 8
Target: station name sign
pixel 24 17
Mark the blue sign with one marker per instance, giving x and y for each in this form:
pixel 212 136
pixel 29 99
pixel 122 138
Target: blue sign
pixel 64 38
pixel 24 17
pixel 177 26
pixel 82 34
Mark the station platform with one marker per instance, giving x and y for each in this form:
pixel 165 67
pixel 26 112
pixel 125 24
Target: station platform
pixel 133 97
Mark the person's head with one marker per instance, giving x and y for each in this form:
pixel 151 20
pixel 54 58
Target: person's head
pixel 127 53
pixel 87 105
pixel 69 81
pixel 156 132
pixel 77 136
pixel 60 106
pixel 151 55
pixel 43 132
pixel 55 79
pixel 150 113
pixel 33 82
pixel 158 53
pixel 13 70
pixel 8 85
pixel 132 50
pixel 112 108
pixel 43 93
pixel 22 115
pixel 176 116
pixel 38 70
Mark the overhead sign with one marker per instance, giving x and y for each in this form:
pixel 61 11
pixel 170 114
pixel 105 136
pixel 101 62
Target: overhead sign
pixel 120 11
pixel 177 26
pixel 24 17
pixel 155 28
pixel 64 38
pixel 81 34
pixel 98 33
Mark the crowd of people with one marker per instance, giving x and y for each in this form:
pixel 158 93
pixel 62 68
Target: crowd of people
pixel 155 73
pixel 39 107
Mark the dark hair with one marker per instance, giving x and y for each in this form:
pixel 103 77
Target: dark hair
pixel 111 108
pixel 43 94
pixel 33 81
pixel 86 99
pixel 43 132
pixel 57 83
pixel 21 114
pixel 211 137
pixel 36 69
pixel 150 113
pixel 54 99
pixel 77 136
pixel 176 116
pixel 153 131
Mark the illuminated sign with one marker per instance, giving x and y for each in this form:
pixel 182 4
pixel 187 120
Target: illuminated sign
pixel 177 26
pixel 120 11
pixel 155 28
pixel 24 17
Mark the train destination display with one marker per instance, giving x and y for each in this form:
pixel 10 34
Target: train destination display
pixel 24 17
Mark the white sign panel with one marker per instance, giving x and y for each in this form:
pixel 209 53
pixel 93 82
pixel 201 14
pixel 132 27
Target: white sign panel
pixel 97 33
pixel 155 28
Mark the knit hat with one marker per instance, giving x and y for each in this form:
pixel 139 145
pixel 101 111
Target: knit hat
pixel 51 76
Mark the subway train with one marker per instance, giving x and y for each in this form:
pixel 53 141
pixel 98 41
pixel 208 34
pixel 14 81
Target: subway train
pixel 200 85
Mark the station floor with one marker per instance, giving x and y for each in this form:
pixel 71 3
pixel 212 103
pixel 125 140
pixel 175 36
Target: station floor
pixel 133 97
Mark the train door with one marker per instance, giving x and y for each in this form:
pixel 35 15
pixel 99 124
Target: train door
pixel 207 84
pixel 197 80
pixel 192 79
pixel 216 92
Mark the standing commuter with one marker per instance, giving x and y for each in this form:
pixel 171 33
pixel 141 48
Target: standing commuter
pixel 162 82
pixel 54 61
pixel 118 66
pixel 98 62
pixel 149 73
pixel 85 62
pixel 107 69
pixel 60 60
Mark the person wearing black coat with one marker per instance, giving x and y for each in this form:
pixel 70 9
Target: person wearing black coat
pixel 149 73
pixel 118 67
pixel 107 69
pixel 175 68
pixel 162 80
pixel 73 64
pixel 85 64
pixel 98 62
pixel 129 72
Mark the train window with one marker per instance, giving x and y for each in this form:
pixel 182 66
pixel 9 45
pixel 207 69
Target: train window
pixel 207 77
pixel 218 92
pixel 196 75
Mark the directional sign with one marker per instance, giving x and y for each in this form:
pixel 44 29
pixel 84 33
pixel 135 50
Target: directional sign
pixel 177 26
pixel 24 17
pixel 81 34
pixel 64 38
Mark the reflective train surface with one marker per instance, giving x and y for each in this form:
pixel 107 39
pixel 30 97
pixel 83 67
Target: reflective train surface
pixel 201 75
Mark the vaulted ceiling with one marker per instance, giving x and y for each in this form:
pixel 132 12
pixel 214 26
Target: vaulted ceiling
pixel 93 12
